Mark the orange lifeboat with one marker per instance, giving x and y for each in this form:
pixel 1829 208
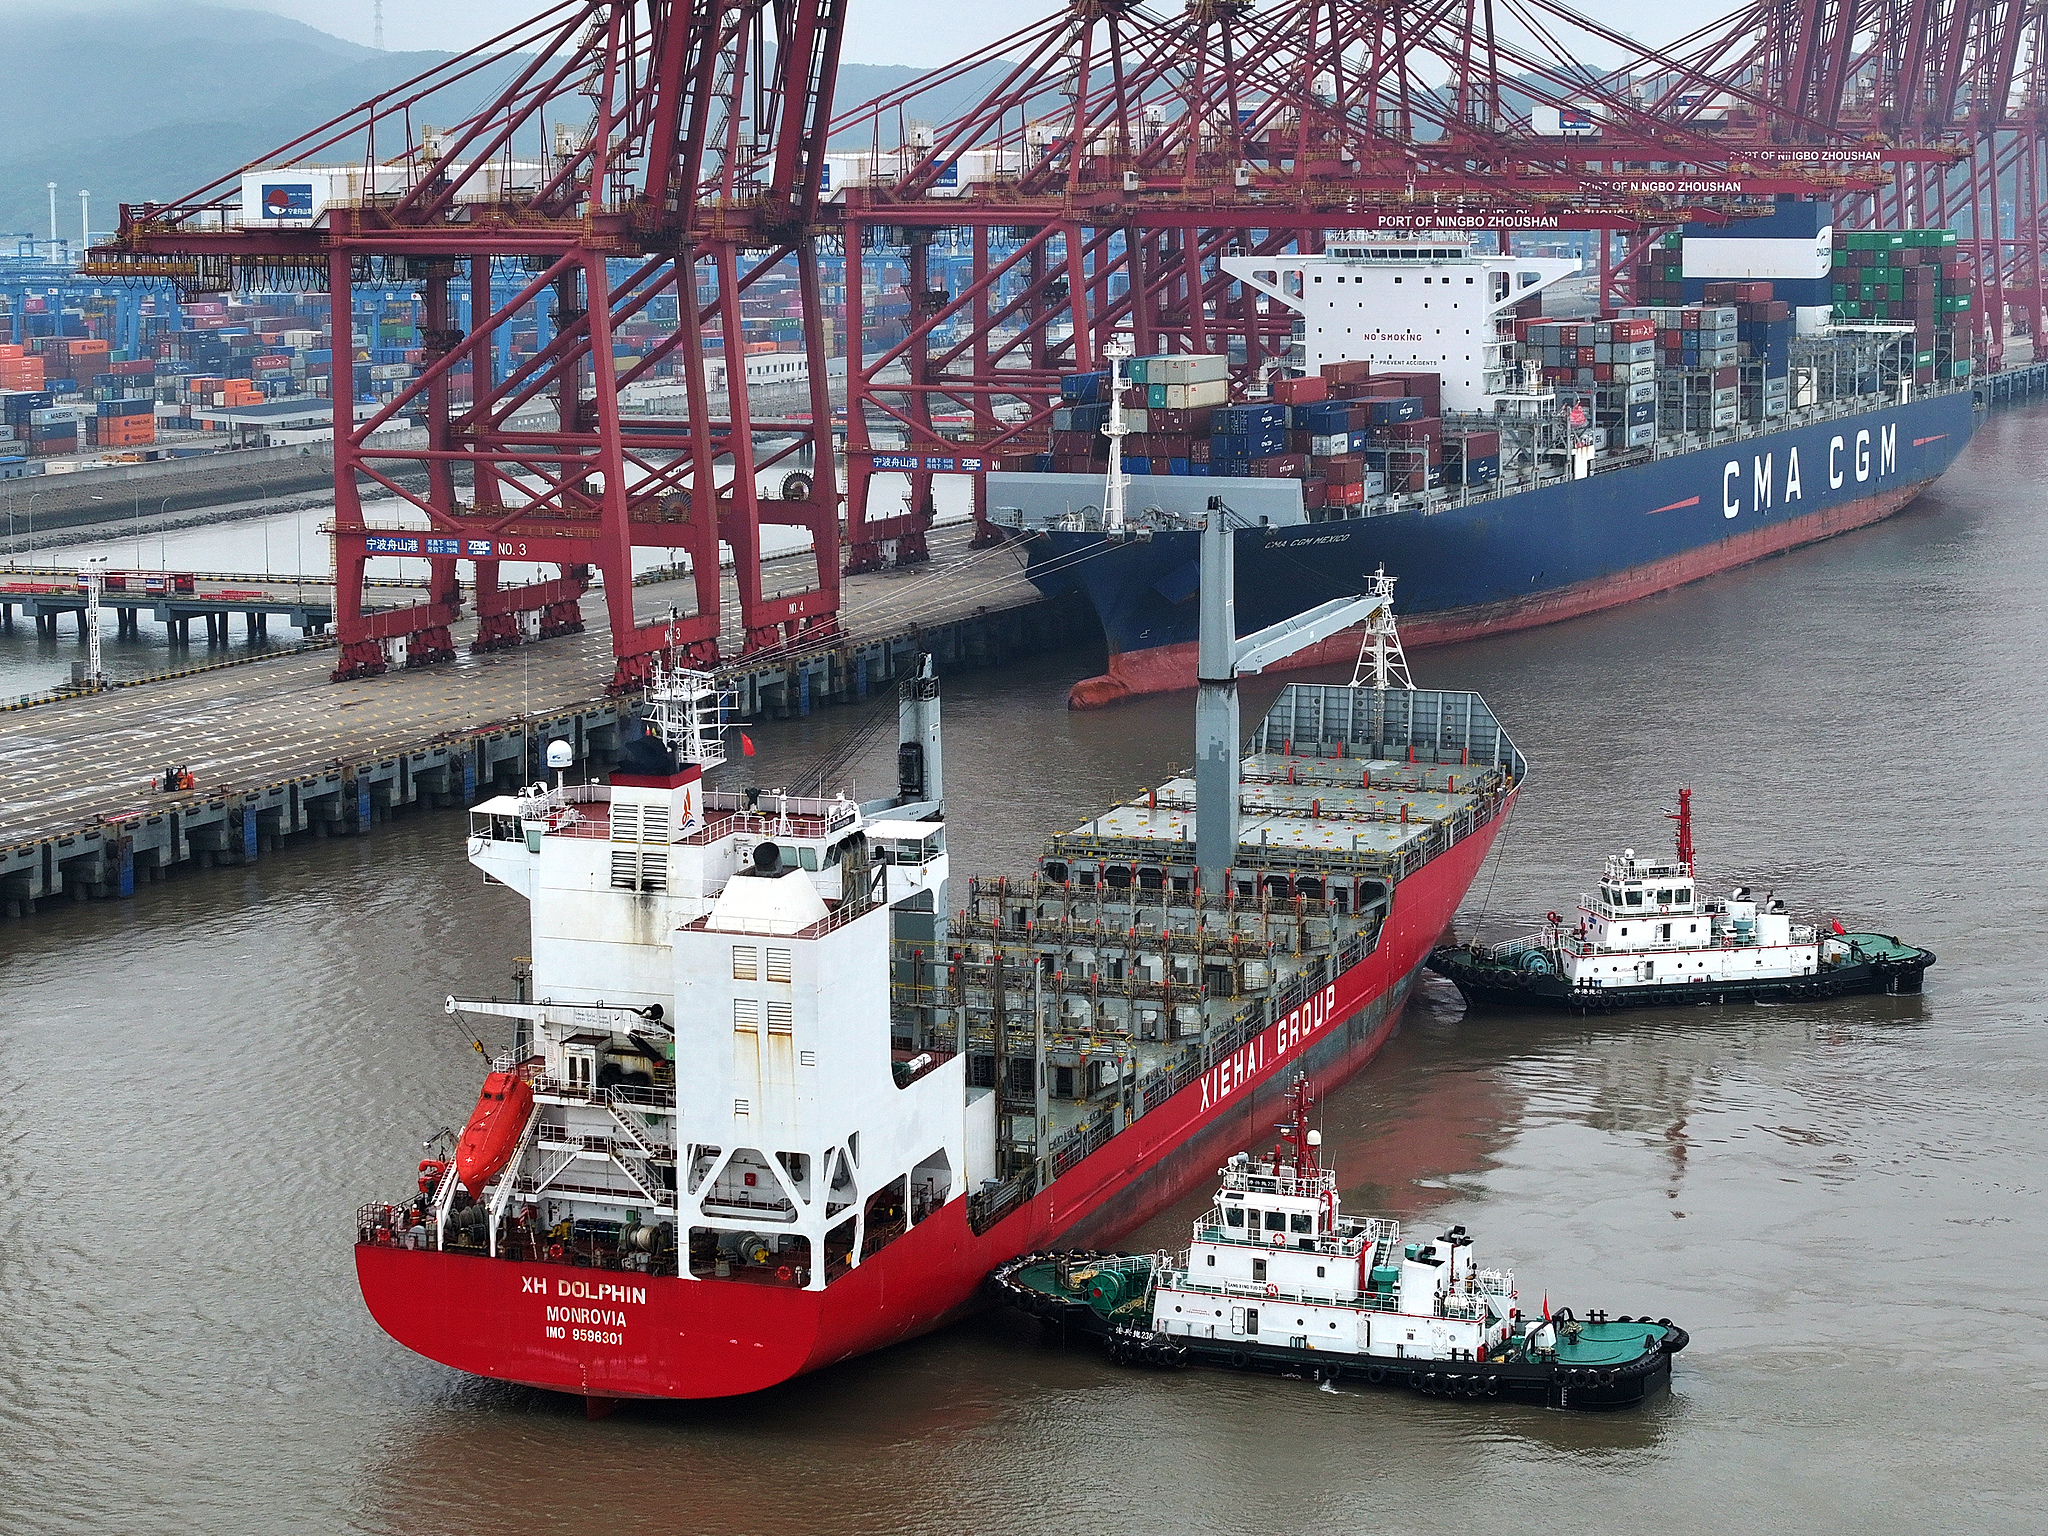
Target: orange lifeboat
pixel 492 1135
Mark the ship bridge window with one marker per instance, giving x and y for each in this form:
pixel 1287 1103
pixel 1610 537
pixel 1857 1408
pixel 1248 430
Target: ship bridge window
pixel 1663 898
pixel 1302 1221
pixel 1233 1216
pixel 1276 1221
pixel 1634 897
pixel 1684 896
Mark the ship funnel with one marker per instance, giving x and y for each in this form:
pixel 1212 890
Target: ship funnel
pixel 920 765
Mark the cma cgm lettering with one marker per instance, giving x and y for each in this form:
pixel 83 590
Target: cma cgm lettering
pixel 1864 457
pixel 1488 563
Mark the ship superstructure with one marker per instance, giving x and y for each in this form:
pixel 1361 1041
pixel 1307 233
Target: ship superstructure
pixel 792 1096
pixel 1275 1261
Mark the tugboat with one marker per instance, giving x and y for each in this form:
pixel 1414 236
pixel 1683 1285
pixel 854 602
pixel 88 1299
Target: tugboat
pixel 1278 1279
pixel 1649 937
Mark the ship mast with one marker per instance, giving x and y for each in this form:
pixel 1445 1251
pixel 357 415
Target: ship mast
pixel 1295 1132
pixel 1117 349
pixel 689 710
pixel 1381 661
pixel 1683 816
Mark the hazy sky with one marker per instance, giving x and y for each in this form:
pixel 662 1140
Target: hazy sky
pixel 920 32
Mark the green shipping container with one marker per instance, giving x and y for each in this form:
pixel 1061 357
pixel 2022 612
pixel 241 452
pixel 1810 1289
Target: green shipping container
pixel 1956 301
pixel 1924 359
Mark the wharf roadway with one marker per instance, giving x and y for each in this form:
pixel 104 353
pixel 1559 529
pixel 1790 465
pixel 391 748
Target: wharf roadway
pixel 276 748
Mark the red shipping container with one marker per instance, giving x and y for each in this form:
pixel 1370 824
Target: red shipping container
pixel 1301 391
pixel 1428 387
pixel 1353 372
pixel 1724 378
pixel 1478 445
pixel 1280 466
pixel 1313 491
pixel 1349 494
pixel 1342 468
pixel 1427 429
pixel 1383 389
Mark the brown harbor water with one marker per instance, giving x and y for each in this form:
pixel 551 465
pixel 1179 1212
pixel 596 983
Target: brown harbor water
pixel 1843 1202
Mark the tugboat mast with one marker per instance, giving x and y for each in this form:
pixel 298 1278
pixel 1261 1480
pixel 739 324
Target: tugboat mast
pixel 1683 816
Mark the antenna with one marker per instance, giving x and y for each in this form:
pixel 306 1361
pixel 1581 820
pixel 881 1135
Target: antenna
pixel 1381 661
pixel 377 25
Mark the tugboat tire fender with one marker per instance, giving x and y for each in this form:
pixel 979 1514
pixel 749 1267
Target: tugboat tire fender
pixel 1493 1386
pixel 1239 1359
pixel 1376 1374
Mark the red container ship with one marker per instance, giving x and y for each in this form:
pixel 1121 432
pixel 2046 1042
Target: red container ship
pixel 789 1103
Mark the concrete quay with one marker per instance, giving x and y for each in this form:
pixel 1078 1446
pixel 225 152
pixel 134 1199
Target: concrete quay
pixel 279 752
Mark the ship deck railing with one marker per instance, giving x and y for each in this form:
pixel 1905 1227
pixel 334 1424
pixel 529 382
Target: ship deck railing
pixel 1259 1292
pixel 661 1101
pixel 1550 942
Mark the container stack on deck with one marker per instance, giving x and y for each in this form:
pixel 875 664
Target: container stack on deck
pixel 1347 434
pixel 1907 277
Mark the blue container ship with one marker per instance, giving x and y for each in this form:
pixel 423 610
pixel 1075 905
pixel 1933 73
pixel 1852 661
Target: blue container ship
pixel 1517 490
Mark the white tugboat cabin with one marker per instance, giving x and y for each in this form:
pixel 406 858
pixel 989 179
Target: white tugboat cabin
pixel 1274 1264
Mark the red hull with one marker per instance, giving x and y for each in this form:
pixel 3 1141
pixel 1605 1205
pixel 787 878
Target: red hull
pixel 625 1335
pixel 1171 668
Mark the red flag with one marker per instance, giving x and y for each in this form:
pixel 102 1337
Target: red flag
pixel 746 744
pixel 1546 1306
pixel 1836 923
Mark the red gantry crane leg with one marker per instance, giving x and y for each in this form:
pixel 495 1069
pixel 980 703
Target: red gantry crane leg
pixel 644 153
